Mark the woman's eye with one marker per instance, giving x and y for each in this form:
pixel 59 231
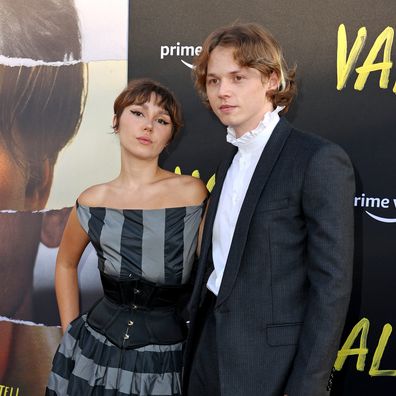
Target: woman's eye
pixel 136 113
pixel 163 122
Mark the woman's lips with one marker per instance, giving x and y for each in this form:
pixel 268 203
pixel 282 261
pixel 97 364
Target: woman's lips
pixel 144 140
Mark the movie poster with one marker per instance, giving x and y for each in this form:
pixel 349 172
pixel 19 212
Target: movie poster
pixel 61 66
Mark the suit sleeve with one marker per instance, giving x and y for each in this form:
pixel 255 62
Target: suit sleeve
pixel 327 202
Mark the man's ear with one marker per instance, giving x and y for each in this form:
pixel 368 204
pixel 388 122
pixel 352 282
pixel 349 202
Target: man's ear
pixel 273 81
pixel 39 186
pixel 52 226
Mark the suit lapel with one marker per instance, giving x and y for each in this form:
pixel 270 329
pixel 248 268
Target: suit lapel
pixel 259 179
pixel 208 227
pixel 214 201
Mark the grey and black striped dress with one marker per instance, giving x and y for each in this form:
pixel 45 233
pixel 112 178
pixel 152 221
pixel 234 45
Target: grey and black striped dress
pixel 156 245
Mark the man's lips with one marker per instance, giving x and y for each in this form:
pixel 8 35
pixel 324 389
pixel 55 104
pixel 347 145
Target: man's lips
pixel 227 108
pixel 144 140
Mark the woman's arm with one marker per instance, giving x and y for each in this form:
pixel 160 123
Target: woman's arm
pixel 72 246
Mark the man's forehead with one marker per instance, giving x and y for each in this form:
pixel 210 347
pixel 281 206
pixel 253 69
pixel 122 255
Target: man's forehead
pixel 229 68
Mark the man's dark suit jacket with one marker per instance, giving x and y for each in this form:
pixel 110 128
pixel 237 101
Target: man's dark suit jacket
pixel 284 295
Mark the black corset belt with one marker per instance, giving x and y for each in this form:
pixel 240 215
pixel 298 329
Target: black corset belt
pixel 135 313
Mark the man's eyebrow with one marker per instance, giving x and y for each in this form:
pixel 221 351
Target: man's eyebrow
pixel 237 71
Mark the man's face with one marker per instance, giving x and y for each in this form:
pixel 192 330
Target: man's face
pixel 237 95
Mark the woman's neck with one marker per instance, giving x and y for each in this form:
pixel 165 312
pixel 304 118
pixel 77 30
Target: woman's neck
pixel 137 172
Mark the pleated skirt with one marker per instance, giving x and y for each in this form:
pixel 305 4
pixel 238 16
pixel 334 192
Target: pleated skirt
pixel 87 363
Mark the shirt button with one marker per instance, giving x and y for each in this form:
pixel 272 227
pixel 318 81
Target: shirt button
pixel 126 336
pixel 134 306
pixel 130 323
pixel 136 291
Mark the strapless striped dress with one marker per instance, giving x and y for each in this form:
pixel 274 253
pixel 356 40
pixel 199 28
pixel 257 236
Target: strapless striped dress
pixel 153 247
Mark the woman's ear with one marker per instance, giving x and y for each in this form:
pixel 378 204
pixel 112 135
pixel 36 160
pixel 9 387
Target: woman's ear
pixel 39 185
pixel 115 123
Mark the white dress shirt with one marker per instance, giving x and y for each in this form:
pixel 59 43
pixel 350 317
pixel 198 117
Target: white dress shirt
pixel 250 146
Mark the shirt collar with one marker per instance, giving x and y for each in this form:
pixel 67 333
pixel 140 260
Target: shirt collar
pixel 269 120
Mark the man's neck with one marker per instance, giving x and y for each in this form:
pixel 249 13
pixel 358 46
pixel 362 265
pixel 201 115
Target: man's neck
pixel 254 123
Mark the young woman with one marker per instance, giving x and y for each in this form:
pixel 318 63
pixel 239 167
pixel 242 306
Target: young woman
pixel 144 227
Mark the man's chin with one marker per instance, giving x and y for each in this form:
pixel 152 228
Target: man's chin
pixel 227 120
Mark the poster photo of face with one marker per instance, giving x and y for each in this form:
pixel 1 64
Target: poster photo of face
pixel 62 63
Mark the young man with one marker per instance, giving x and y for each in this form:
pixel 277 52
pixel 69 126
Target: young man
pixel 274 277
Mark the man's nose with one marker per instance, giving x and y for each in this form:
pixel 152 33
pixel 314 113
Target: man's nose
pixel 224 88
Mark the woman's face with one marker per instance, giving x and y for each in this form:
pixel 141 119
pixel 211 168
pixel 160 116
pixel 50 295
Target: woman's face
pixel 145 129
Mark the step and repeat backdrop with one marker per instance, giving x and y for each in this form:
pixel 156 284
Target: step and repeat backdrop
pixel 346 92
pixel 61 66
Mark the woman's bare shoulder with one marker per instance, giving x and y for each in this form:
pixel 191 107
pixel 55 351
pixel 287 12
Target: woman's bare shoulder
pixel 191 188
pixel 94 195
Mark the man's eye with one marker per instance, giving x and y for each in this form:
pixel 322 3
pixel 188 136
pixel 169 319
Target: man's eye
pixel 212 81
pixel 238 78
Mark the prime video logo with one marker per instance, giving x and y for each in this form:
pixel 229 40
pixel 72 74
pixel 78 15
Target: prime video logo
pixel 180 50
pixel 370 203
